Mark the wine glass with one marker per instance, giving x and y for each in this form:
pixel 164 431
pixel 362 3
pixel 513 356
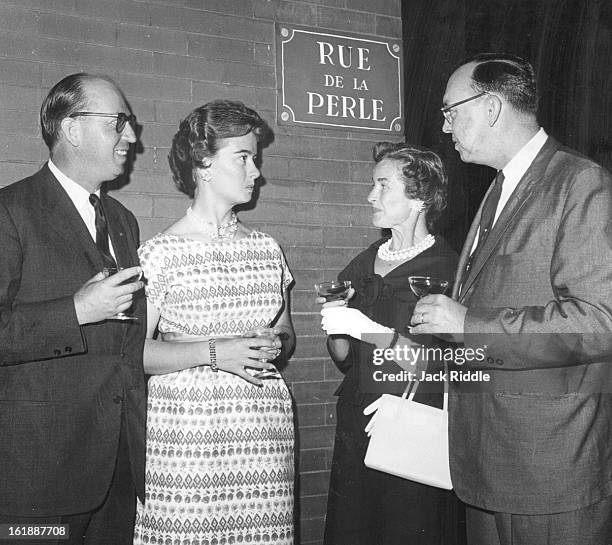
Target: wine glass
pixel 265 373
pixel 109 271
pixel 427 285
pixel 333 290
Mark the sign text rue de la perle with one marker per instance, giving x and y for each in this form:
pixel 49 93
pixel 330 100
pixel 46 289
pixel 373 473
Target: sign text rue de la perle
pixel 338 80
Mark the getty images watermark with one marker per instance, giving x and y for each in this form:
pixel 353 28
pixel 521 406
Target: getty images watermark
pixel 411 355
pixel 551 364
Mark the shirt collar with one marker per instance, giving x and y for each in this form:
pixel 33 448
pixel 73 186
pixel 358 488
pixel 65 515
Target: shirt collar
pixel 77 193
pixel 519 164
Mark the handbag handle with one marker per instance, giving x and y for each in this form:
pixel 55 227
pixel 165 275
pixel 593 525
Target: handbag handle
pixel 415 384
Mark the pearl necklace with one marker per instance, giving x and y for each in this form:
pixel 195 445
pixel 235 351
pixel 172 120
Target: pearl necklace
pixel 226 231
pixel 386 254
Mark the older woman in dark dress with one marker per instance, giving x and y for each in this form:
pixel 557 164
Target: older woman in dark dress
pixel 365 506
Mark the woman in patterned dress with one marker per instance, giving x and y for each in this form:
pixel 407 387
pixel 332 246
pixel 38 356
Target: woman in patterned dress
pixel 220 437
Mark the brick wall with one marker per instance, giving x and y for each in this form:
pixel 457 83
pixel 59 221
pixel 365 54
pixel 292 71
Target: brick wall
pixel 170 56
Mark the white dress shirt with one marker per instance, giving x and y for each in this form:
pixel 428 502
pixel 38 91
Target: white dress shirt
pixel 515 170
pixel 80 198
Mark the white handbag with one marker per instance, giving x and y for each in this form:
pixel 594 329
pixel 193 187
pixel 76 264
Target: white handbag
pixel 409 439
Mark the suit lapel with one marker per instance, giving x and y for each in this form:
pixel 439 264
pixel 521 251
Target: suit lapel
pixel 63 218
pixel 517 200
pixel 466 251
pixel 119 233
pixel 125 248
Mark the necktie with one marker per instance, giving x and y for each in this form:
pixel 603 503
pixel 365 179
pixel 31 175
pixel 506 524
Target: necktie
pixel 486 218
pixel 102 231
pixel 488 210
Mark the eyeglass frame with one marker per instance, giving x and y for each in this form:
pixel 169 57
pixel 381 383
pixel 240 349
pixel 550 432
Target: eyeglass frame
pixel 446 110
pixel 122 118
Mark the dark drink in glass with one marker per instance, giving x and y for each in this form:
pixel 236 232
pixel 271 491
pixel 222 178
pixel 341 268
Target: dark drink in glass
pixel 114 270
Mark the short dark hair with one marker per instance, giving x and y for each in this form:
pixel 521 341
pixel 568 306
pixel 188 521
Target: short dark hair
pixel 65 97
pixel 509 76
pixel 199 133
pixel 423 174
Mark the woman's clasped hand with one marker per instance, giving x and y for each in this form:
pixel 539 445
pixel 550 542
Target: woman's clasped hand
pixel 238 355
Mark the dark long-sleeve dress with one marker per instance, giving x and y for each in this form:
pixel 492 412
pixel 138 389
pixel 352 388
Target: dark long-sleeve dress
pixel 365 506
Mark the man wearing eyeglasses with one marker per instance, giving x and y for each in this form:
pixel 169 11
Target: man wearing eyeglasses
pixel 531 451
pixel 72 401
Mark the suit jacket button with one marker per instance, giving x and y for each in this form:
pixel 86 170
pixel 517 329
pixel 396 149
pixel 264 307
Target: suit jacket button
pixel 490 359
pixel 68 349
pixel 57 352
pixel 499 361
pixel 117 399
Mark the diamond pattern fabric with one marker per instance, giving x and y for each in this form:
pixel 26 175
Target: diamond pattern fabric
pixel 220 451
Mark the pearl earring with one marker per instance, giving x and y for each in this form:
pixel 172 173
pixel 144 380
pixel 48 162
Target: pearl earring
pixel 205 175
pixel 417 205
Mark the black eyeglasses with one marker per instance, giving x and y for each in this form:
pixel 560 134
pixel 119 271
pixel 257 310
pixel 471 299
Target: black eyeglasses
pixel 446 110
pixel 122 119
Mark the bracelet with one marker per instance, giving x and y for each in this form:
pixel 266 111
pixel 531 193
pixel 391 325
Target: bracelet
pixel 393 339
pixel 212 354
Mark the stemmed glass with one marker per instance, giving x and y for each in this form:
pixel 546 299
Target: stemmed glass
pixel 333 290
pixel 109 271
pixel 265 373
pixel 427 285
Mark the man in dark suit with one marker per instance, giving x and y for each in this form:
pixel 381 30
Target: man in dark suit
pixel 531 448
pixel 72 400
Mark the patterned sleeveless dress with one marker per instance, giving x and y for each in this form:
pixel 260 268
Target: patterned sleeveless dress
pixel 220 451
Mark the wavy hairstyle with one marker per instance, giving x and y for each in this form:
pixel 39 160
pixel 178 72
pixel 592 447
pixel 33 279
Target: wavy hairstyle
pixel 199 135
pixel 423 175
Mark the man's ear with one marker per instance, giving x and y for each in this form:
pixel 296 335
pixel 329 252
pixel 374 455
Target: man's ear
pixel 494 108
pixel 71 131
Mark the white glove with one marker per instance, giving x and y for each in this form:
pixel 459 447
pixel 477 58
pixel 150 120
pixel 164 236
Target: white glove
pixel 372 408
pixel 349 321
